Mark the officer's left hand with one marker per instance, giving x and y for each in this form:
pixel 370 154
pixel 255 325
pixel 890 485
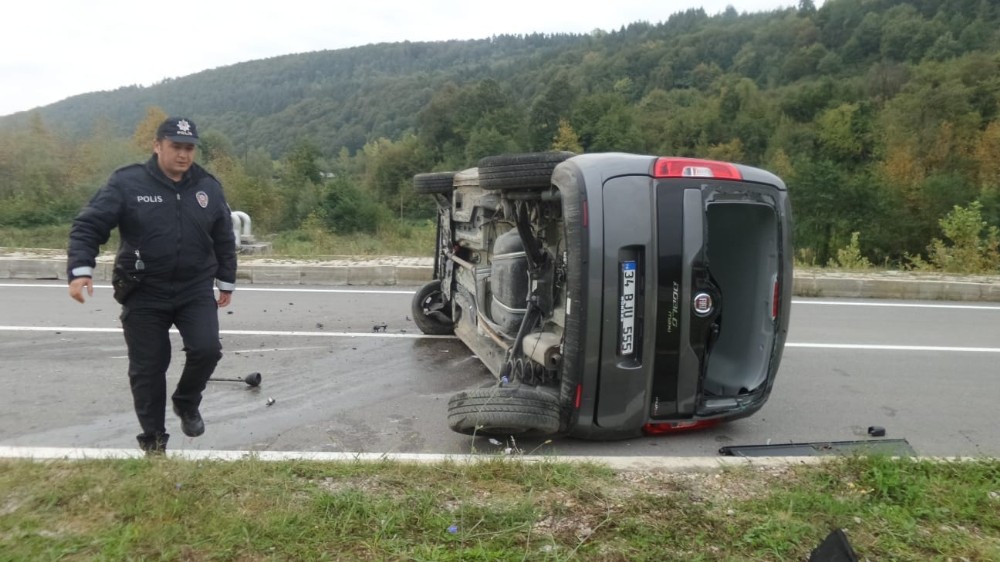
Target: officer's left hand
pixel 225 297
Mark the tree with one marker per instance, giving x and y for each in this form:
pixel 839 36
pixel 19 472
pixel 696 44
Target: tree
pixel 548 111
pixel 213 145
pixel 974 247
pixel 906 36
pixel 300 164
pixel 484 141
pixel 95 157
pixel 348 208
pixel 985 154
pixel 38 186
pixel 300 183
pixel 845 133
pixel 145 131
pixel 566 138
pixel 390 167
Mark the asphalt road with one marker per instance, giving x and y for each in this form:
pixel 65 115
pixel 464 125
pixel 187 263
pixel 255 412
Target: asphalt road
pixel 926 371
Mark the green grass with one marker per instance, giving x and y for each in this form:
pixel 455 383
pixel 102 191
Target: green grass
pixel 48 237
pixel 407 239
pixel 497 509
pixel 403 239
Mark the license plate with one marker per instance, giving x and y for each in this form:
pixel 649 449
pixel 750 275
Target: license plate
pixel 626 339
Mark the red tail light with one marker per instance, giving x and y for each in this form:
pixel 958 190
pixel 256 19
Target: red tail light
pixel 695 168
pixel 678 426
pixel 579 395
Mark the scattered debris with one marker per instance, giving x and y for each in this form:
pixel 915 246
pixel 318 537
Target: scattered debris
pixel 380 327
pixel 835 548
pixel 898 447
pixel 270 401
pixel 876 431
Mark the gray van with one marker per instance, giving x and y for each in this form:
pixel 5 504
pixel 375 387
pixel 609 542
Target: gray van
pixel 612 295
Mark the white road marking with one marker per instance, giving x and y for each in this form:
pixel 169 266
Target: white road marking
pixel 295 333
pixel 230 332
pixel 239 289
pixel 875 347
pixel 247 351
pixel 900 305
pixel 354 291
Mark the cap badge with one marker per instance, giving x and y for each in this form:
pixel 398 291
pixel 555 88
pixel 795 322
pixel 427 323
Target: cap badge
pixel 183 127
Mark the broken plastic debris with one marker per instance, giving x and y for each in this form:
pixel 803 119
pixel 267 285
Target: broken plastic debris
pixel 270 401
pixel 453 529
pixel 876 431
pixel 495 442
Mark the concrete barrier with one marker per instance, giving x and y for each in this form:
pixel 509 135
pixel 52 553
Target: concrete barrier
pixel 380 272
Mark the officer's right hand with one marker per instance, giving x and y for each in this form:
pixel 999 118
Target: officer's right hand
pixel 76 288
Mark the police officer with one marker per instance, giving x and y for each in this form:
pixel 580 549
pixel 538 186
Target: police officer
pixel 176 239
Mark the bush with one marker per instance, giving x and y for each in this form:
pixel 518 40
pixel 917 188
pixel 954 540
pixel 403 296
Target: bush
pixel 973 246
pixel 850 256
pixel 347 208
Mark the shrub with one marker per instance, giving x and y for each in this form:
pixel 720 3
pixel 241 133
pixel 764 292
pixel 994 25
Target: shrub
pixel 973 246
pixel 850 256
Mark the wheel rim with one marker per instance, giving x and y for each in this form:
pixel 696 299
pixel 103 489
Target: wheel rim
pixel 433 306
pixel 432 302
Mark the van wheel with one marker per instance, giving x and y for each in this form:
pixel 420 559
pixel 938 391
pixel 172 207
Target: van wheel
pixel 430 311
pixel 504 410
pixel 434 182
pixel 530 171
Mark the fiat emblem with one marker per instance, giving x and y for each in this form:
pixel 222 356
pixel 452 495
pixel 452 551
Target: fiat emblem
pixel 703 304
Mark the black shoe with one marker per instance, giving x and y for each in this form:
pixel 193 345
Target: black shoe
pixel 153 445
pixel 191 423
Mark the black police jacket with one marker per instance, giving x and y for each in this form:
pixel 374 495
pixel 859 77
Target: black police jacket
pixel 183 232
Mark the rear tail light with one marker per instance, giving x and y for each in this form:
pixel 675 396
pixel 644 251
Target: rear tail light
pixel 579 396
pixel 678 426
pixel 668 167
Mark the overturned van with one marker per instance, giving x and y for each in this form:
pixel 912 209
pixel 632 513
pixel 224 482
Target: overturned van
pixel 610 294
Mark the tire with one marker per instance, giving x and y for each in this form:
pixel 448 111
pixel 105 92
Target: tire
pixel 504 410
pixel 434 182
pixel 430 312
pixel 530 171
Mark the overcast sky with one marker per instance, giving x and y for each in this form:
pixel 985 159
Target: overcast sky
pixel 54 49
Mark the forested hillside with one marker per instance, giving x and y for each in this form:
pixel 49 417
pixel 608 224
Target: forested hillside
pixel 883 116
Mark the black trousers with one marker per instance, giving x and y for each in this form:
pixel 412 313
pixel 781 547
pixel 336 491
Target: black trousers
pixel 147 320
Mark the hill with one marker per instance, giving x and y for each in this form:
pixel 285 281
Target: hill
pixel 882 115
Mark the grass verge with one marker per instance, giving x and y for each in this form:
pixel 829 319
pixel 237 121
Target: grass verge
pixel 397 239
pixel 499 509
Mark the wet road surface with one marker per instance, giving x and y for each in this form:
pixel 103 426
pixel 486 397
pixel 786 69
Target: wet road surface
pixel 924 371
